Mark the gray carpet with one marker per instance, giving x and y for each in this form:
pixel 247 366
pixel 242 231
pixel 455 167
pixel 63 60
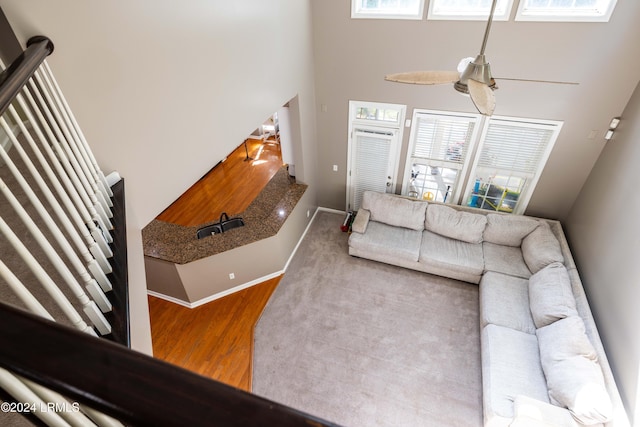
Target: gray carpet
pixel 361 343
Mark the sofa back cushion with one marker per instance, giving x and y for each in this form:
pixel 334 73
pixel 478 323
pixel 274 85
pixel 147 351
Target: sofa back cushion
pixel 550 295
pixel 393 210
pixel 455 224
pixel 508 230
pixel 574 377
pixel 541 248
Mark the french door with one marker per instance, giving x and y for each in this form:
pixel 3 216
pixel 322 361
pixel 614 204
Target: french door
pixel 373 166
pixel 375 135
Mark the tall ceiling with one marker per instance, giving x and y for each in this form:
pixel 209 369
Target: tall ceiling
pixel 352 56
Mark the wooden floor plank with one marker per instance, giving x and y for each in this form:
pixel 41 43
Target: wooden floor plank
pixel 215 339
pixel 229 187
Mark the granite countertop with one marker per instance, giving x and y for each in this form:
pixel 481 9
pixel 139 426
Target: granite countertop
pixel 263 219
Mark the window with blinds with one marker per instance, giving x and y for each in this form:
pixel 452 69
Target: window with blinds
pixel 509 161
pixel 439 147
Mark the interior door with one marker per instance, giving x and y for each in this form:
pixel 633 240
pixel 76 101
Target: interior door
pixel 373 162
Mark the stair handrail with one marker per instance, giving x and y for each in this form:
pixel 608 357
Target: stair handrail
pixel 13 79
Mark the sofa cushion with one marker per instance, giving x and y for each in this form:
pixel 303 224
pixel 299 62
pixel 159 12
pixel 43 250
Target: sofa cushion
pixel 574 377
pixel 451 254
pixel 550 295
pixel 455 224
pixel 541 247
pixel 389 241
pixel 394 210
pixel 505 259
pixel 504 301
pixel 510 367
pixel 508 230
pixel 534 413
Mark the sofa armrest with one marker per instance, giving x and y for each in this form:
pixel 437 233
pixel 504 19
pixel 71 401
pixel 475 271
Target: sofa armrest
pixel 532 412
pixel 359 224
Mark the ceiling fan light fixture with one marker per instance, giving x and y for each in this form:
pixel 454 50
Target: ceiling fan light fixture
pixel 478 70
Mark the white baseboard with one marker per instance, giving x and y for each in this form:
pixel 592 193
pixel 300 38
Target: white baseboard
pixel 320 208
pixel 168 298
pixel 248 284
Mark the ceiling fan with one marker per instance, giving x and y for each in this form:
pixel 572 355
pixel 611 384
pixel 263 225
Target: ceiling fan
pixel 473 76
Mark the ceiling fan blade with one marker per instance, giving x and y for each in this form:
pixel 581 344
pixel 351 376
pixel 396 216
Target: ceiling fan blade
pixel 538 81
pixel 482 96
pixel 424 77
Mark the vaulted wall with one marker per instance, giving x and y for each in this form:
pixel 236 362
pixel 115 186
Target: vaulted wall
pixel 604 234
pixel 164 90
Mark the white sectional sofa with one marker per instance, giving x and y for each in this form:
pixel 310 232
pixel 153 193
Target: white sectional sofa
pixel 543 363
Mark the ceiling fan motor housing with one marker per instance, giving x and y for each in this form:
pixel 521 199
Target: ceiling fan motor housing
pixel 478 70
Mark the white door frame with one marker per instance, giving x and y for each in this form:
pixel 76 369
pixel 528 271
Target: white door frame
pixel 395 127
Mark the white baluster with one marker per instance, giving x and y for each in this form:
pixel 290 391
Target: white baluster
pixel 44 279
pixel 66 173
pixel 101 419
pixel 23 293
pixel 74 417
pixel 55 205
pixel 79 198
pixel 24 394
pixel 70 148
pixel 74 216
pixel 89 306
pixel 76 132
pixel 53 256
pixel 78 179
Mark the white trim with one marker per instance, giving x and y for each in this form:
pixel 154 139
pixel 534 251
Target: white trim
pixel 168 298
pixel 354 121
pixel 337 211
pixel 215 296
pixel 247 284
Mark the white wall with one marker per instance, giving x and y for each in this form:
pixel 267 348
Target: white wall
pixel 353 56
pixel 604 234
pixel 164 90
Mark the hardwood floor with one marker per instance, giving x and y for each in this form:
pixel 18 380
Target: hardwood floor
pixel 229 187
pixel 215 339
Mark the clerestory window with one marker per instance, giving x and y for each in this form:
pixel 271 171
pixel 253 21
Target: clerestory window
pixel 387 9
pixel 468 9
pixel 528 10
pixel 565 10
